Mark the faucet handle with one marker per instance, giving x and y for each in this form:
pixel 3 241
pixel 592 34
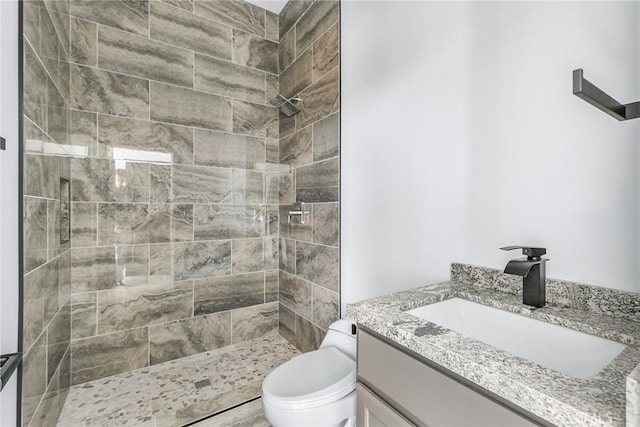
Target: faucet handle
pixel 527 250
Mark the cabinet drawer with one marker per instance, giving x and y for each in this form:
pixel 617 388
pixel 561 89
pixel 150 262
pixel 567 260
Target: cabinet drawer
pixel 425 395
pixel 375 412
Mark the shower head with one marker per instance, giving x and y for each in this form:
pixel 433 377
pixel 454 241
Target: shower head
pixel 286 106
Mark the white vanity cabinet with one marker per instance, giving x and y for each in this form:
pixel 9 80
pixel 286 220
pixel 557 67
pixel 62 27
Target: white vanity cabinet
pixel 396 389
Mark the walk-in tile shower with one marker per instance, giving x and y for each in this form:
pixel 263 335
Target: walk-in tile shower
pixel 169 208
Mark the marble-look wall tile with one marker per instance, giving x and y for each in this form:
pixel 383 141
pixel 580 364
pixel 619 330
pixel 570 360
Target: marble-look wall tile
pixel 321 99
pixel 228 292
pixel 110 93
pixel 271 285
pixel 308 336
pixel 182 4
pixel 290 14
pixel 297 77
pixel 318 264
pixel 127 223
pixel 286 188
pixel 190 108
pixel 41 176
pixel 238 14
pixel 248 187
pixel 131 16
pixel 83 315
pixel 318 182
pixel 182 223
pixel 326 138
pixel 58 337
pixel 272 30
pixel 52 403
pixel 326 306
pixel 186 337
pixel 213 222
pixel 288 255
pixel 126 308
pixel 174 144
pixel 296 149
pixel 295 229
pixel 326 224
pixel 84 36
pixel 287 51
pixel 84 133
pixel 34 378
pixel 254 255
pixel 320 16
pixel 138 56
pixel 160 266
pixel 93 269
pixel 200 184
pixel 318 194
pixel 287 323
pixel 272 87
pixel 160 183
pixel 105 355
pixel 31 22
pixel 105 181
pixel 326 52
pixel 295 293
pixel 41 300
pixel 254 322
pixel 54 245
pixel 64 277
pixel 35 88
pixel 190 31
pixel 255 119
pixel 228 150
pixel 227 79
pixel 286 125
pixel 255 52
pixel 201 259
pixel 35 233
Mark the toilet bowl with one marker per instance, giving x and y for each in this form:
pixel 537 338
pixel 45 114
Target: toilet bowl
pixel 316 388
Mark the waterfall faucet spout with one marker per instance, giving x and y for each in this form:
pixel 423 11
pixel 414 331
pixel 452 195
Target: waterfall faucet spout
pixel 532 269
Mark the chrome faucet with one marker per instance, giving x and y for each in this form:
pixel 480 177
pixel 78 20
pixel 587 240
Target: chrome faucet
pixel 532 269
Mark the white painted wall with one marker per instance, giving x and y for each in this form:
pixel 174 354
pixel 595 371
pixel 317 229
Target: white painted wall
pixel 460 134
pixel 9 200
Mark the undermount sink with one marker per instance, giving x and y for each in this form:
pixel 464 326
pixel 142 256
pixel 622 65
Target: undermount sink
pixel 564 350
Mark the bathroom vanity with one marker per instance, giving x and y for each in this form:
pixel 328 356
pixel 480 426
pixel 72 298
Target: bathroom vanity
pixel 412 371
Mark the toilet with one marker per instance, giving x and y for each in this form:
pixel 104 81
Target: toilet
pixel 316 388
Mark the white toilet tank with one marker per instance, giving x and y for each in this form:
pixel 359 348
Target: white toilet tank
pixel 342 335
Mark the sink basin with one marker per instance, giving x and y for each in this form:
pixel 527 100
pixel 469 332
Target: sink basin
pixel 564 350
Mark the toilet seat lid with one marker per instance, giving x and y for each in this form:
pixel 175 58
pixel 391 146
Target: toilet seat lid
pixel 311 379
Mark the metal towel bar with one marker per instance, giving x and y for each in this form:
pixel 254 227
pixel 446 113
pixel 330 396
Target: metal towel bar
pixel 586 90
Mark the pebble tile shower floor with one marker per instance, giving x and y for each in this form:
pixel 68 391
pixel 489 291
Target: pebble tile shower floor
pixel 165 395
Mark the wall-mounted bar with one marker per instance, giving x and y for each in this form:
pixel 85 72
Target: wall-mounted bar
pixel 584 89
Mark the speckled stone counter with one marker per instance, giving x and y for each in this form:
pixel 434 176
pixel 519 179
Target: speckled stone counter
pixel 608 399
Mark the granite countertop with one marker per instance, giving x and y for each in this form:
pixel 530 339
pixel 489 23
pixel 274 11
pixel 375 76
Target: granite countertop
pixel 604 400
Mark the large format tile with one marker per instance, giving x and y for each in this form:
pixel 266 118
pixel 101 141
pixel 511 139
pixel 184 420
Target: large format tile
pixel 254 322
pixel 308 336
pixel 288 255
pixel 272 30
pixel 128 223
pixel 186 337
pixel 84 132
pixel 294 229
pixel 319 264
pixel 41 176
pixel 295 293
pixel 160 183
pixel 141 57
pixel 174 144
pixel 326 138
pixel 34 378
pixel 326 224
pixel 100 180
pixel 255 52
pixel 290 14
pixel 35 233
pixel 105 355
pixel 321 99
pixel 213 222
pixel 326 306
pixel 228 150
pixel 58 337
pixel 84 36
pixel 83 315
pixel 182 223
pixel 287 323
pixel 248 187
pixel 238 14
pixel 201 184
pixel 254 254
pixel 318 182
pixel 201 259
pixel 287 51
pixel 228 292
pixel 106 267
pixel 227 79
pixel 298 76
pixel 126 308
pixel 182 4
pixel 320 16
pixel 132 16
pixel 326 52
pixel 35 88
pixel 296 149
pixel 109 93
pixel 160 265
pixel 190 108
pixel 190 31
pixel 255 119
